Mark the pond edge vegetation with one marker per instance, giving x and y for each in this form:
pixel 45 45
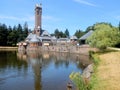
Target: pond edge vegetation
pixel 87 80
pixel 92 82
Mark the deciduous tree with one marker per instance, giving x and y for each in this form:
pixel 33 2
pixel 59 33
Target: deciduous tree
pixel 104 36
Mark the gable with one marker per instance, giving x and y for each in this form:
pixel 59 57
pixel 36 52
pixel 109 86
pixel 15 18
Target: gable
pixel 45 33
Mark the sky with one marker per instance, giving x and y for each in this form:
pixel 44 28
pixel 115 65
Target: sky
pixel 60 14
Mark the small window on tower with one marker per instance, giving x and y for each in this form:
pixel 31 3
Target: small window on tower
pixel 37 12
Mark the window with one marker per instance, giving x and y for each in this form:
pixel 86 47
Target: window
pixel 37 12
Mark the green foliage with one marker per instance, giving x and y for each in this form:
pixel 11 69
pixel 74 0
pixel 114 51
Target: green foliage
pixel 94 81
pixel 60 34
pixel 119 26
pixel 3 34
pixel 10 36
pixel 78 80
pixel 79 33
pixel 91 53
pixel 25 30
pixel 89 28
pixel 95 59
pixel 67 33
pixel 104 36
pixel 56 33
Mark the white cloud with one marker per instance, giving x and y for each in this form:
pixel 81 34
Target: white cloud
pixel 28 18
pixel 85 2
pixel 50 18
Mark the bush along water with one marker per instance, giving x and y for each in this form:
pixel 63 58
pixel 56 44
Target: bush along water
pixel 87 80
pixel 78 80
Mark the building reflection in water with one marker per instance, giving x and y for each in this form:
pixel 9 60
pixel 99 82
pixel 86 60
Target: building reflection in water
pixel 40 61
pixel 36 61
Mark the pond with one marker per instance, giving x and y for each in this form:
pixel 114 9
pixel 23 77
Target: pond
pixel 38 70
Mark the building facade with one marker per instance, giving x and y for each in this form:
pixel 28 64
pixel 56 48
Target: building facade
pixel 40 37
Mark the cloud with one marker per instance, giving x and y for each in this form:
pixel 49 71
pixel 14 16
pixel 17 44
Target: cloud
pixel 85 3
pixel 28 18
pixel 51 18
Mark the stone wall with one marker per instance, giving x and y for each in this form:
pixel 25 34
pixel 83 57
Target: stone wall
pixel 84 49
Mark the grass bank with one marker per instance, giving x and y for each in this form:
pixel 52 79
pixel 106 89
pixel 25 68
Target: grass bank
pixel 107 71
pixel 2 48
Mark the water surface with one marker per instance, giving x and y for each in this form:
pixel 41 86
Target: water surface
pixel 38 71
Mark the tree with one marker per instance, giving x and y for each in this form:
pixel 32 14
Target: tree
pixel 12 39
pixel 119 26
pixel 25 30
pixel 10 36
pixel 78 33
pixel 15 35
pixel 9 41
pixel 56 32
pixel 104 36
pixel 67 33
pixel 3 34
pixel 9 29
pixel 62 35
pixel 20 33
pixel 89 28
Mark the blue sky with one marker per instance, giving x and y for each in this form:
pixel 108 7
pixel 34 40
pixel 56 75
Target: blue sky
pixel 61 14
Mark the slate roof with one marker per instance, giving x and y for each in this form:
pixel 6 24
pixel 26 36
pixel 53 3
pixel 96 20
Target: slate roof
pixel 45 37
pixel 34 38
pixel 29 36
pixel 44 33
pixel 73 37
pixel 63 40
pixel 53 38
pixel 85 36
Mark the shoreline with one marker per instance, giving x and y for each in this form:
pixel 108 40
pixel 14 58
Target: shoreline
pixel 5 48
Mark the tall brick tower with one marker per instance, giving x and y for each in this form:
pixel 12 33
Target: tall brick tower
pixel 38 19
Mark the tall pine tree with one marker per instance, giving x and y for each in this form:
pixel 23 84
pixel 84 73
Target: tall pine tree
pixel 25 30
pixel 67 33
